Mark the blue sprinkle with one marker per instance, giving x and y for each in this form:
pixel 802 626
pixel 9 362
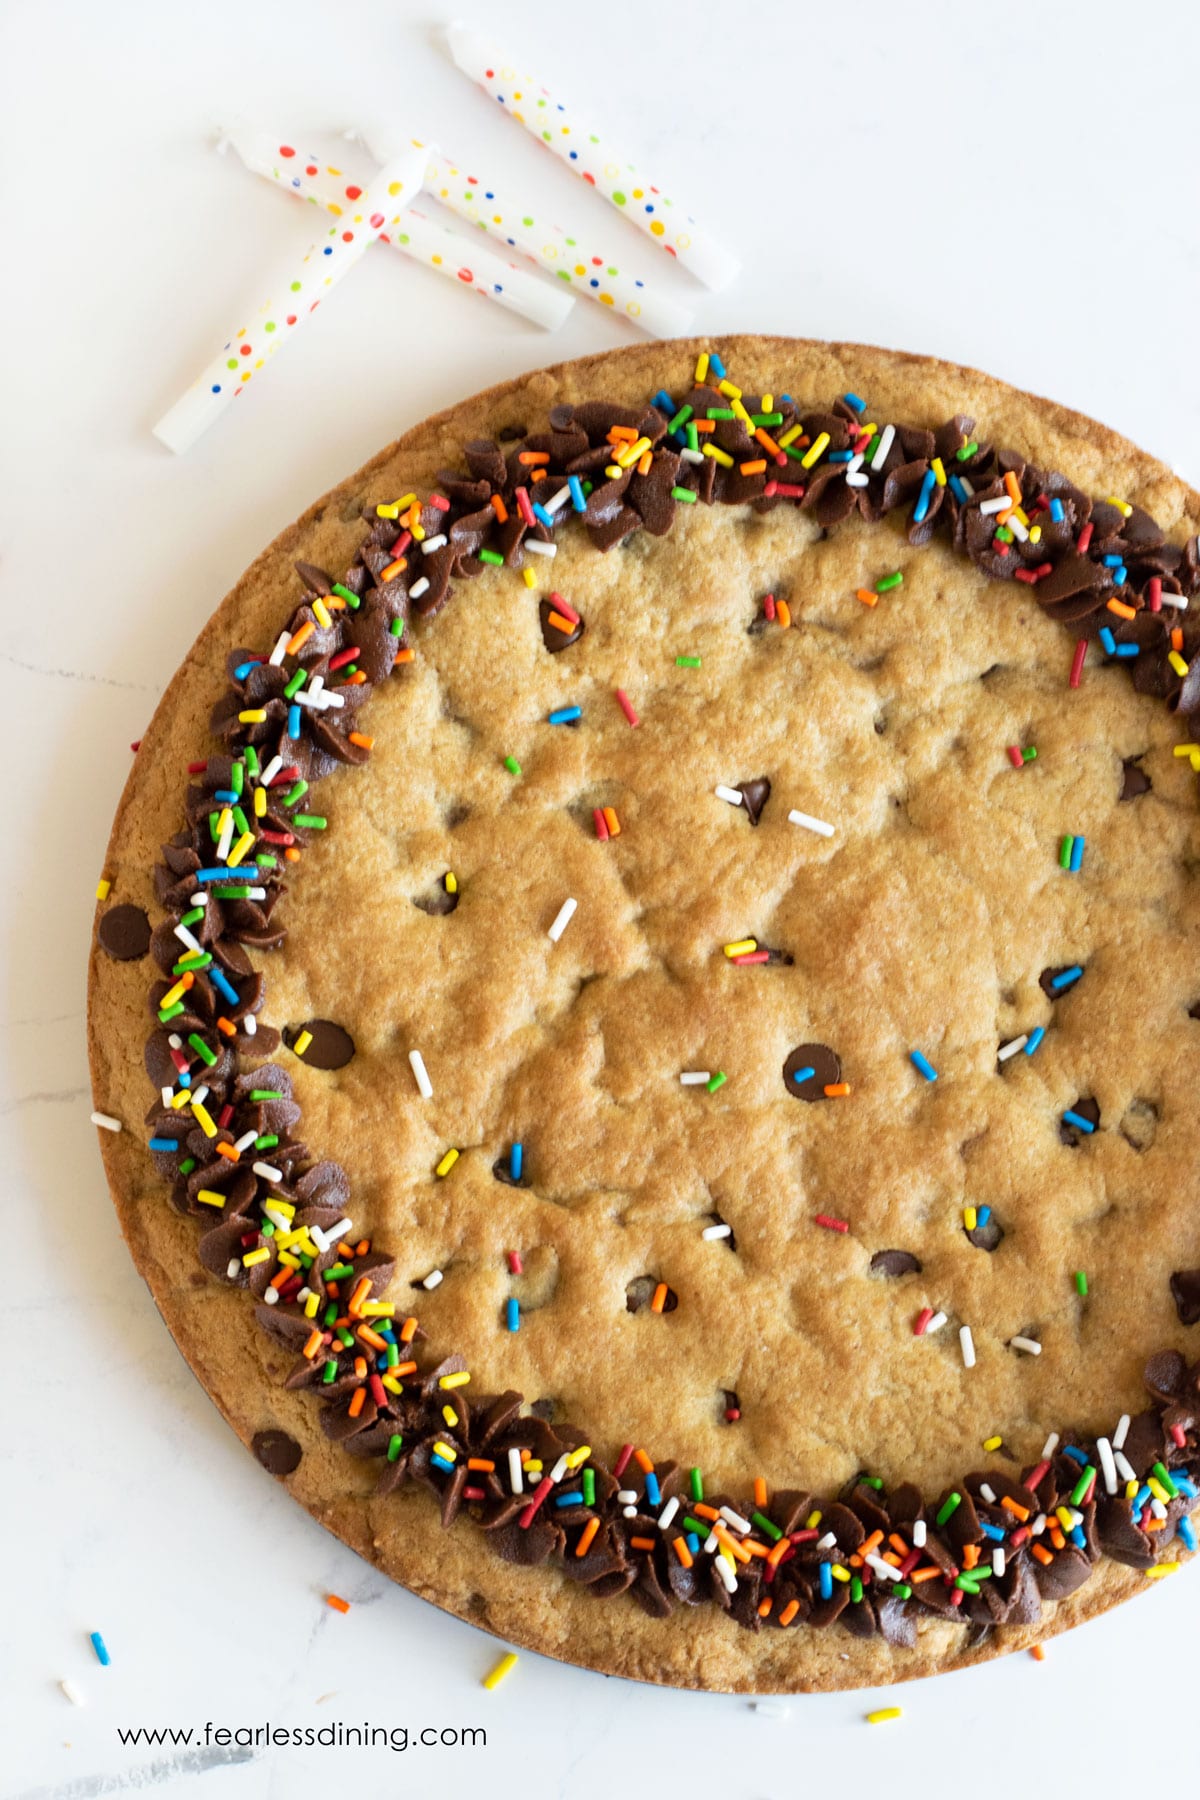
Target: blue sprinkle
pixel 1185 1484
pixel 1120 576
pixel 1035 1038
pixel 167 1144
pixel 839 456
pixel 693 1543
pixel 577 496
pixel 227 795
pixel 653 1492
pixel 1068 978
pixel 1056 511
pixel 1077 1538
pixel 242 670
pixel 663 401
pixel 922 506
pixel 983 1215
pixel 185 1079
pixel 574 1498
pixel 826 1582
pixel 803 1074
pixel 1128 650
pixel 566 715
pixel 1187 1532
pixel 853 401
pixel 1111 561
pixel 1108 640
pixel 101 1649
pixel 1140 1498
pixel 1075 1454
pixel 716 365
pixel 543 517
pixel 243 872
pixel 516 1160
pixel 293 729
pixel 922 1065
pixel 227 990
pixel 995 1532
pixel 512 1314
pixel 439 1462
pixel 958 489
pixel 1078 1121
pixel 1077 855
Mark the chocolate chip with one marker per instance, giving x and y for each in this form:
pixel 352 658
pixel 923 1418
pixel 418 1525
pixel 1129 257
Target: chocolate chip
pixel 1046 981
pixel 278 1452
pixel 755 795
pixel 331 1047
pixel 641 1290
pixel 1087 1109
pixel 502 1170
pixel 1135 781
pixel 554 639
pixel 124 931
pixel 1139 1126
pixel 314 578
pixel 986 1237
pixel 731 1406
pixel 895 1262
pixel 1185 1291
pixel 438 903
pixel 826 1066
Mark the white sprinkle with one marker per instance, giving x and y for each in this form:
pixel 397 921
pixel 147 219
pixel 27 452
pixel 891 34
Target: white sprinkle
pixel 771 1709
pixel 557 500
pixel 1121 1433
pixel 418 588
pixel 429 545
pixel 668 1512
pixel 627 1496
pixel 198 1096
pixel 432 1281
pixel 267 1172
pixel 967 1343
pixel 420 1074
pixel 1049 1447
pixel 886 1571
pixel 733 795
pixel 280 650
pixel 855 463
pixel 175 1041
pixel 716 1231
pixel 272 1296
pixel 199 899
pixel 695 1077
pixel 72 1693
pixel 270 772
pixel 315 685
pixel 882 447
pixel 811 824
pixel 935 1324
pixel 245 1141
pixel 1039 1525
pixel 560 1468
pixel 1124 1466
pixel 168 1095
pixel 828 1542
pixel 225 840
pixel 516 1478
pixel 988 1492
pixel 920 1532
pixel 1178 601
pixel 250 1025
pixel 105 1122
pixel 724 1569
pixel 629 1512
pixel 562 919
pixel 969 486
pixel 1108 1465
pixel 857 481
pixel 538 548
pixel 735 1519
pixel 231 1268
pixel 1030 1346
pixel 280 1220
pixel 998 1560
pixel 185 937
pixel 1012 1047
pixel 1002 503
pixel 691 456
pixel 1018 530
pixel 255 893
pixel 1158 1509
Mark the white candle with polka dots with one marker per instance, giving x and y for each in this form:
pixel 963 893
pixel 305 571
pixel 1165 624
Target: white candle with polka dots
pixel 589 155
pixel 337 189
pixel 295 298
pixel 556 250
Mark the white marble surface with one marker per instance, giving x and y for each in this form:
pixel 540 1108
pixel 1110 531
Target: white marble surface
pixel 1012 187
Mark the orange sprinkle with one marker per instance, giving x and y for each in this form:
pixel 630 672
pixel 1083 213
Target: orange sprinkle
pixel 703 425
pixel 293 855
pixel 736 1550
pixel 660 1292
pixel 764 1608
pixel 614 830
pixel 780 1550
pixel 362 1291
pixel 644 461
pixel 499 508
pixel 402 1369
pixel 362 740
pixel 481 1463
pixel 680 1547
pixel 589 1532
pixel 864 594
pixel 360 1367
pixel 532 457
pixel 767 441
pixel 404 655
pixel 783 613
pixel 1037 1653
pixel 898 1543
pixel 337 1603
pixel 1057 1538
pixel 755 1548
pixel 1043 1555
pixel 641 1543
pixel 926 1574
pixel 228 1029
pixel 1154 1525
pixel 538 475
pixel 358 1400
pixel 228 1152
pixel 299 638
pixel 1014 488
pixel 313 1344
pixel 1021 1512
pixel 837 1090
pixel 1122 611
pixel 868 1544
pixel 372 1338
pixel 277 1281
pixel 394 568
pixel 760 1492
pixel 645 1465
pixel 703 1511
pixel 1177 638
pixel 970 1555
pixel 561 624
pixel 789 1612
pixel 621 434
pixel 753 468
pixel 334 602
pixel 408 1331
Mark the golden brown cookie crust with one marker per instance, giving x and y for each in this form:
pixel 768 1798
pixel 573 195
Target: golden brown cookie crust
pixel 485 677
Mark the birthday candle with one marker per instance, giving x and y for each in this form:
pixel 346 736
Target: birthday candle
pixel 295 297
pixel 337 190
pixel 591 156
pixel 556 250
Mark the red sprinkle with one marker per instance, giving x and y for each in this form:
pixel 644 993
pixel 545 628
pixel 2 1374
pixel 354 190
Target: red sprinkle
pixel 1035 1476
pixel 769 607
pixel 539 1494
pixel 136 746
pixel 807 1536
pixel 1077 662
pixel 1085 537
pixel 523 506
pixel 515 1265
pixel 752 956
pixel 439 501
pixel 377 1391
pixel 197 768
pixel 1180 1436
pixel 601 824
pixel 626 706
pixel 922 1321
pixel 1154 593
pixel 568 612
pixel 622 1462
pixel 224 1116
pixel 1015 757
pixel 473 1493
pixel 831 1224
pixel 345 656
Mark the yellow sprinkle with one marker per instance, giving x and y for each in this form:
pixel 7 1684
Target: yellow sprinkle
pixel 814 451
pixel 1186 749
pixel 224 818
pixel 1035 534
pixel 632 452
pixel 450 1416
pixel 244 843
pixel 254 716
pixel 322 614
pixel 260 802
pixel 884 1714
pixel 207 1197
pixel 452 884
pixel 1131 1488
pixel 508 1663
pixel 1157 1489
pixel 447 1163
pixel 103 889
pixel 1196 761
pixel 1065 1517
pixel 204 1119
pixel 789 436
pixel 1122 506
pixel 702 365
pixel 1177 663
pixel 727 387
pixel 812 1521
pixel 311 1306
pixel 462 1377
pixel 378 1309
pixel 992 1443
pixel 252 1257
pixel 768 403
pixel 838 1573
pixel 739 412
pixel 970 1218
pixel 392 1385
pixel 939 473
pixel 530 578
pixel 180 1099
pixel 302 1042
pixel 718 455
pixel 446 1450
pixel 388 511
pixel 612 470
pixel 286 1258
pixel 577 1458
pixel 172 995
pixel 418 532
pixel 1157 1573
pixel 743 947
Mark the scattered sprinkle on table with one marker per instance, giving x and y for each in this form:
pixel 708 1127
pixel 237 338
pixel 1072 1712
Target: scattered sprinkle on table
pixel 501 1671
pixel 72 1693
pixel 101 1648
pixel 337 1603
pixel 884 1714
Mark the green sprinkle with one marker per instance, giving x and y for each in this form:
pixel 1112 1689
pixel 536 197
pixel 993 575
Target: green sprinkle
pixel 346 1338
pixel 266 1094
pixel 693 438
pixel 697 1482
pixel 295 794
pixel 394 1443
pixel 193 917
pixel 268 1142
pixel 1004 535
pixel 687 662
pixel 968 1583
pixel 267 1230
pixel 687 495
pixel 338 1270
pixel 950 1506
pixel 589 1487
pixel 1029 755
pixel 512 765
pixel 397 627
pixel 681 418
pixel 716 1081
pixel 330 1371
pixel 1064 852
pixel 872 1481
pixel 187 1165
pixel 201 1048
pixel 764 1524
pixel 343 593
pixel 775 418
pixel 689 1524
pixel 887 582
pixel 856 1589
pixel 1081 1283
pixel 193 963
pixel 265 860
pixel 1169 1488
pixel 491 556
pixel 1082 1485
pixel 241 821
pixel 167 1013
pixel 331 1313
pixel 251 762
pixel 902 1590
pixel 392 1355
pixel 237 777
pixel 721 412
pixel 966 451
pixel 296 682
pixel 310 821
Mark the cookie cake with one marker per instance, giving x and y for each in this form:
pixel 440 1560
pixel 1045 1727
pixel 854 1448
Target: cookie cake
pixel 646 973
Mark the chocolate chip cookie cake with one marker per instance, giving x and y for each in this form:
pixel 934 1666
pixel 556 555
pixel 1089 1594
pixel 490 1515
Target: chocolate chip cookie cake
pixel 646 980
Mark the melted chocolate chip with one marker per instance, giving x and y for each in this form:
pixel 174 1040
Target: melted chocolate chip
pixel 1134 781
pixel 1087 1109
pixel 440 902
pixel 1185 1291
pixel 895 1262
pixel 755 795
pixel 986 1237
pixel 1046 981
pixel 640 1292
pixel 826 1066
pixel 554 639
pixel 502 1170
pixel 124 931
pixel 331 1047
pixel 278 1452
